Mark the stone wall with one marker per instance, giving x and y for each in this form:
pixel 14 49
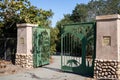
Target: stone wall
pixel 24 60
pixel 106 69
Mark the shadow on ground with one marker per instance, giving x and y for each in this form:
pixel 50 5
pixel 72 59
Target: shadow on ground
pixel 54 69
pixel 59 70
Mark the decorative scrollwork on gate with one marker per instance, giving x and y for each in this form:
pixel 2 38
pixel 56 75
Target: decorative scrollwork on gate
pixel 78 47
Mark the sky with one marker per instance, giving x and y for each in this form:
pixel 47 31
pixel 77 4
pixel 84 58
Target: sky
pixel 58 7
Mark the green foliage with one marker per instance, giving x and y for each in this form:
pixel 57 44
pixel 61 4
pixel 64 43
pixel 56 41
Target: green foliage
pixel 65 20
pixel 9 17
pixel 103 7
pixel 53 33
pixel 79 14
pixel 88 12
pixel 36 16
pixel 13 12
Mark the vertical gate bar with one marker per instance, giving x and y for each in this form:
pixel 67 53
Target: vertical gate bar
pixel 77 49
pixel 49 45
pixel 65 52
pixel 84 51
pixel 94 54
pixel 71 47
pixel 66 48
pixel 79 52
pixel 74 48
pixel 62 52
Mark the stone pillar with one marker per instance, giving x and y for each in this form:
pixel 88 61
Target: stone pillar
pixel 24 56
pixel 107 63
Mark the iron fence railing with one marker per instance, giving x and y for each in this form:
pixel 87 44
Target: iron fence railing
pixel 8 48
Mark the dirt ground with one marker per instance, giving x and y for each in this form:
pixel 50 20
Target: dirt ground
pixel 8 71
pixel 7 68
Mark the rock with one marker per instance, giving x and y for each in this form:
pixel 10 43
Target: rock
pixel 112 64
pixel 109 76
pixel 106 73
pixel 113 69
pixel 102 74
pixel 106 69
pixel 24 60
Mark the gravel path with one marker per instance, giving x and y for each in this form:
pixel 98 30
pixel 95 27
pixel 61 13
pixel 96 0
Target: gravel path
pixel 48 72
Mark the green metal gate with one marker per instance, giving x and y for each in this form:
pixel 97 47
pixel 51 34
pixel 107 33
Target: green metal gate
pixel 41 46
pixel 78 48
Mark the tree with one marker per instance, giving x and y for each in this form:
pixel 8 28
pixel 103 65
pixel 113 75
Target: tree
pixel 113 7
pixel 13 12
pixel 102 7
pixel 36 16
pixel 79 13
pixel 59 26
pixel 9 16
pixel 53 33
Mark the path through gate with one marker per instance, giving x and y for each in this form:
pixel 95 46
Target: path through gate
pixel 78 48
pixel 41 46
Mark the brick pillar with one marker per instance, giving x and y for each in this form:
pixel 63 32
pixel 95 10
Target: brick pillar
pixel 24 56
pixel 107 63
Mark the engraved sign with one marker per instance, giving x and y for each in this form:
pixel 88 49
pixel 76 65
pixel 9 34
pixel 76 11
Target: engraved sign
pixel 106 41
pixel 21 40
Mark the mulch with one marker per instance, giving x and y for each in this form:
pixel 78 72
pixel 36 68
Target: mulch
pixel 7 68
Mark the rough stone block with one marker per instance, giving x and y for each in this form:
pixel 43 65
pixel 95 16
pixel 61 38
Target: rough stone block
pixel 106 69
pixel 23 61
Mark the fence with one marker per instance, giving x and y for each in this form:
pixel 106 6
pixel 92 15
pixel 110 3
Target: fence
pixel 8 49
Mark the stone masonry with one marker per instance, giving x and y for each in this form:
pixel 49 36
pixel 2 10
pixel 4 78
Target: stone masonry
pixel 24 56
pixel 24 60
pixel 106 69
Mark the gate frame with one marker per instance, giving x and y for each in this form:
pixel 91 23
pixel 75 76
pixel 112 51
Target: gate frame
pixel 35 54
pixel 94 26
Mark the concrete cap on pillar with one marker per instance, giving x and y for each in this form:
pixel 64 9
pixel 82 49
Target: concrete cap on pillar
pixel 26 25
pixel 108 17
